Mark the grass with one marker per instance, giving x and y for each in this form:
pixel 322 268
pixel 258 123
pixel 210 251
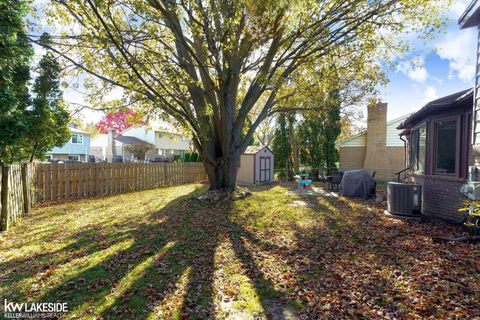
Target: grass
pixel 160 254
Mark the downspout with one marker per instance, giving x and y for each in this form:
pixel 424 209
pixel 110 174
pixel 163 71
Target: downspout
pixel 404 151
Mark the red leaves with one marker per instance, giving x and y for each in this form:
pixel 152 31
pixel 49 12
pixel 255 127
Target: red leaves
pixel 119 121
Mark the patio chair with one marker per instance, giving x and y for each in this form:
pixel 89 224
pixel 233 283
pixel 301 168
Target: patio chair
pixel 322 177
pixel 334 180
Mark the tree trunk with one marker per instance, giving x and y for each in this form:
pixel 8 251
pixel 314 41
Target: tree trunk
pixel 223 175
pixel 293 143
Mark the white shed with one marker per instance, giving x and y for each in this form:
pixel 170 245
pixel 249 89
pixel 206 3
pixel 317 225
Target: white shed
pixel 256 166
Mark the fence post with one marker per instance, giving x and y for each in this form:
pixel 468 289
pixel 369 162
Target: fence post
pixel 25 187
pixel 4 196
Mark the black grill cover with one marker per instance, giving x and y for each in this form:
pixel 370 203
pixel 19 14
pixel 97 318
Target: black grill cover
pixel 358 183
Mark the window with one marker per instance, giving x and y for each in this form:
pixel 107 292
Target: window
pixel 74 157
pixel 417 151
pixel 77 138
pixel 48 157
pixel 445 147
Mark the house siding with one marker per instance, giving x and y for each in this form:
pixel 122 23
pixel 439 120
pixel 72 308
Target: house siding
pixel 246 169
pixel 141 132
pixel 72 148
pixel 359 140
pixel 162 140
pixel 393 134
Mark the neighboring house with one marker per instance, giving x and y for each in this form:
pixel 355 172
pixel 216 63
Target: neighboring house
pixel 77 147
pixel 379 149
pixel 256 166
pixel 166 145
pixel 440 152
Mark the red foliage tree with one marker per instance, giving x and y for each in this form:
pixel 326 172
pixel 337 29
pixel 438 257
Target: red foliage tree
pixel 119 121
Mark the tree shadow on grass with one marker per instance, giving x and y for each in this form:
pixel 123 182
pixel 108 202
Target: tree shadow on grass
pixel 166 261
pixel 164 266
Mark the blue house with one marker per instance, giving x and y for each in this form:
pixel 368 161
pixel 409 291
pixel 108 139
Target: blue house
pixel 77 147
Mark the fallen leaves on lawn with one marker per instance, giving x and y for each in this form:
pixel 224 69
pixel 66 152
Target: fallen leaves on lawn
pixel 161 254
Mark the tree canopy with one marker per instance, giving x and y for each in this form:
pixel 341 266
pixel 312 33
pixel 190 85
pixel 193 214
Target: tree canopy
pixel 15 54
pixel 219 68
pixel 119 120
pixel 47 119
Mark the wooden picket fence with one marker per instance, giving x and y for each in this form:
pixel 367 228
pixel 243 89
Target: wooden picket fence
pixel 30 183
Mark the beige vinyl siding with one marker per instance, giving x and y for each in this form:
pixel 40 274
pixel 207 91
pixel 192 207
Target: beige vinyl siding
pixel 359 140
pixel 246 169
pixel 171 141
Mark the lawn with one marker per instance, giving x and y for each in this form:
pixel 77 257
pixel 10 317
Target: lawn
pixel 161 254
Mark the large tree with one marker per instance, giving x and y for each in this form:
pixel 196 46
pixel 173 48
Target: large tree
pixel 47 119
pixel 15 55
pixel 282 148
pixel 210 64
pixel 317 134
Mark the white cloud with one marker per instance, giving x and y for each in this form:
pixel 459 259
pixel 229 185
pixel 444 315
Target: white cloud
pixel 430 94
pixel 459 48
pixel 414 69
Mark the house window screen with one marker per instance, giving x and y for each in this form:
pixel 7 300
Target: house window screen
pixel 445 147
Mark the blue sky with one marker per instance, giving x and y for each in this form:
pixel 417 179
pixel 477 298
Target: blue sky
pixel 440 67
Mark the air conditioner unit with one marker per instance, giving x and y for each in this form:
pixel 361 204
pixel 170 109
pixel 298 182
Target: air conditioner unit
pixel 403 198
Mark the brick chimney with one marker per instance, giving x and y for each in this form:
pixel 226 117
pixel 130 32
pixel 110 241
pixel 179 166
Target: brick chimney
pixel 376 152
pixel 110 154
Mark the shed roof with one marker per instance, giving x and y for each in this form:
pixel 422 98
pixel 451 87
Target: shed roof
pixel 255 149
pixel 446 102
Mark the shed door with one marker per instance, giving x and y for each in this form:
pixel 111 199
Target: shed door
pixel 265 173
